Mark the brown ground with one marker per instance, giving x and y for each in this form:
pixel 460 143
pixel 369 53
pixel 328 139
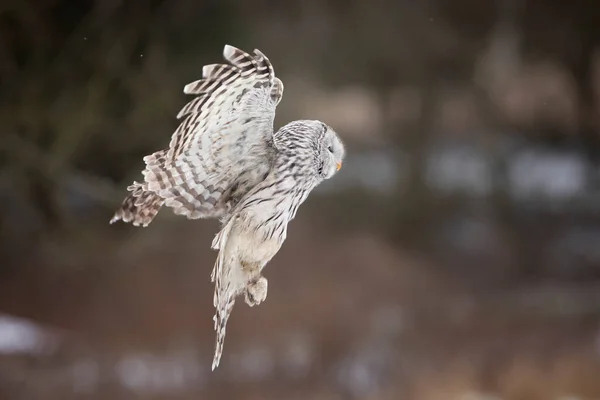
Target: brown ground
pixel 348 316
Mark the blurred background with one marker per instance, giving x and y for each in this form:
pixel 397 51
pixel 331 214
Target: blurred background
pixel 455 256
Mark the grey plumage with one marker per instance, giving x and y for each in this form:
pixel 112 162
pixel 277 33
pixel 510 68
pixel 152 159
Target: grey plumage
pixel 224 161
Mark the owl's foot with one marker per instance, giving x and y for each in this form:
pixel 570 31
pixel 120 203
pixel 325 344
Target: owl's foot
pixel 256 291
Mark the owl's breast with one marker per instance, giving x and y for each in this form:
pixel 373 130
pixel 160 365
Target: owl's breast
pixel 252 245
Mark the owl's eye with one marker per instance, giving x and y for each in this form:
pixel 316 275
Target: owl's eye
pixel 330 148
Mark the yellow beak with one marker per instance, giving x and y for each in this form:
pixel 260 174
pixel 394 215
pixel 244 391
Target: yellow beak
pixel 338 166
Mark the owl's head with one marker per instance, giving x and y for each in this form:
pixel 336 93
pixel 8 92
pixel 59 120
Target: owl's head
pixel 312 145
pixel 332 152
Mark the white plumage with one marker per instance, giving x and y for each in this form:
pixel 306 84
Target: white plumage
pixel 224 161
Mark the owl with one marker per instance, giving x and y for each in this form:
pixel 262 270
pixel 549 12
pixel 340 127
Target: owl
pixel 226 162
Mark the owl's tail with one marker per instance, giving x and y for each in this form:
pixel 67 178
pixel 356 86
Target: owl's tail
pixel 224 296
pixel 139 207
pixel 220 319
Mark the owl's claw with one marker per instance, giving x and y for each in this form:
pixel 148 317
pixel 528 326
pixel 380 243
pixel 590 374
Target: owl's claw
pixel 256 291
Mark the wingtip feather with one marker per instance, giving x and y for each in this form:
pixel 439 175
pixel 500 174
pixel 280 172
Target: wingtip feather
pixel 207 70
pixel 190 87
pixel 229 51
pixel 260 54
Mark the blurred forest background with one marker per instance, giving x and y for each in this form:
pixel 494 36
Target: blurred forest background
pixel 455 256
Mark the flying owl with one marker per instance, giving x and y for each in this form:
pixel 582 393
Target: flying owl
pixel 225 161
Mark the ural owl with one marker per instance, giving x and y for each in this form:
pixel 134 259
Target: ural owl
pixel 225 161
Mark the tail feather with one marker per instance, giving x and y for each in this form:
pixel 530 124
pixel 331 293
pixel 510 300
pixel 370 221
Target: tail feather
pixel 139 207
pixel 225 290
pixel 222 315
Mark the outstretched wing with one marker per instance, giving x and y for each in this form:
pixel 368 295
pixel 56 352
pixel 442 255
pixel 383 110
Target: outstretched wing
pixel 225 137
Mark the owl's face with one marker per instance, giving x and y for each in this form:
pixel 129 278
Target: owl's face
pixel 316 143
pixel 332 153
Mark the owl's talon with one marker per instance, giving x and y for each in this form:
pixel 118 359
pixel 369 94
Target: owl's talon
pixel 256 292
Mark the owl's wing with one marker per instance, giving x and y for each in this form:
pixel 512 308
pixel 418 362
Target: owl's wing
pixel 226 132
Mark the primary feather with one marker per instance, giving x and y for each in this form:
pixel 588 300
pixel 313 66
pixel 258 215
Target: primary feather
pixel 224 161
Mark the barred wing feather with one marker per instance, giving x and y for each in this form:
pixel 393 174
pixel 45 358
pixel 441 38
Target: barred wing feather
pixel 225 134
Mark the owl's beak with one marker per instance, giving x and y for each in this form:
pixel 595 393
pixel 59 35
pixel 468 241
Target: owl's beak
pixel 338 166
